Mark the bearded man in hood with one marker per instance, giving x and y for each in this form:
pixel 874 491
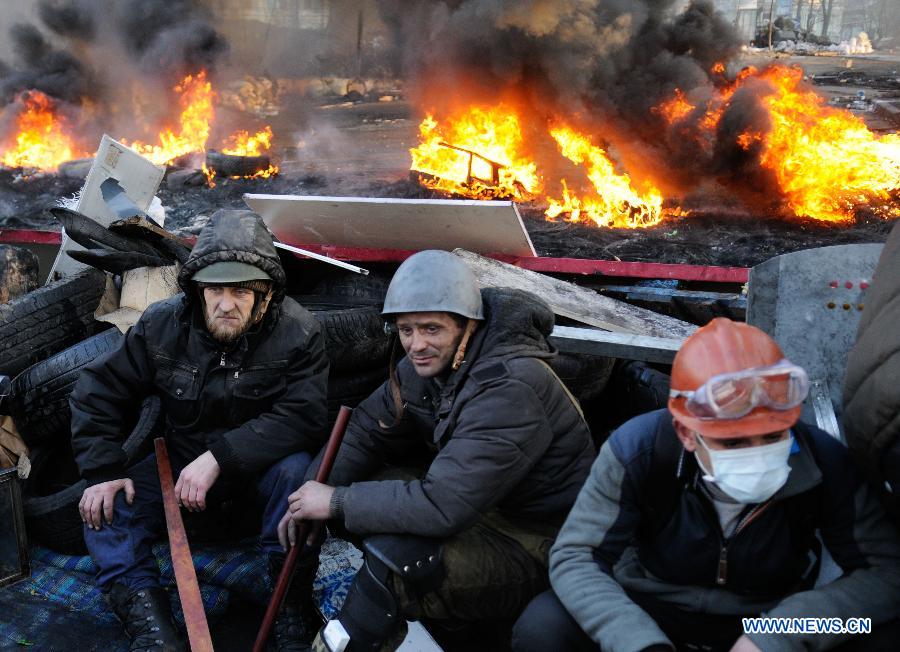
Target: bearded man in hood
pixel 241 372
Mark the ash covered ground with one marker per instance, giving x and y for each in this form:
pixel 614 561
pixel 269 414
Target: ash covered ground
pixel 709 236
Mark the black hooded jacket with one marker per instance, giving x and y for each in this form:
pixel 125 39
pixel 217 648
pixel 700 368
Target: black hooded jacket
pixel 250 404
pixel 502 433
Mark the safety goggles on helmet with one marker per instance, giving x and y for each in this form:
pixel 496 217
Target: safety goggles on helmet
pixel 781 386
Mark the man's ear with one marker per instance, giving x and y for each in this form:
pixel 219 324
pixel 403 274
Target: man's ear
pixel 685 436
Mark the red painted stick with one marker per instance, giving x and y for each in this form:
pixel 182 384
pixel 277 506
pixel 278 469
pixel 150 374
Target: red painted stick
pixel 185 574
pixel 284 578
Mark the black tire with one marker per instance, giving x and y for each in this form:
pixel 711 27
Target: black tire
pixel 52 492
pixel 354 336
pixel 351 389
pixel 39 400
pixel 53 489
pixel 49 319
pixel 228 165
pixel 93 235
pixel 351 289
pixel 586 376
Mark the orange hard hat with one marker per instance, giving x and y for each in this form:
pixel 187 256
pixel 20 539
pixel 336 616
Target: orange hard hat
pixel 721 347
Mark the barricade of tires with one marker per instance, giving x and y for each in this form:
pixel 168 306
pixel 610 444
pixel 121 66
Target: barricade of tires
pixel 52 330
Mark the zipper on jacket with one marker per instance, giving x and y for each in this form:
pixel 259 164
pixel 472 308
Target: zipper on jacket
pixel 722 573
pixel 236 373
pixel 712 514
pixel 222 360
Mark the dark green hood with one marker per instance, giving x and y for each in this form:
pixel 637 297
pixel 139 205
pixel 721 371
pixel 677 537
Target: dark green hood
pixel 238 236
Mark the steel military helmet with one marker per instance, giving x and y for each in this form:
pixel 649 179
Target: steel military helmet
pixel 225 272
pixel 434 281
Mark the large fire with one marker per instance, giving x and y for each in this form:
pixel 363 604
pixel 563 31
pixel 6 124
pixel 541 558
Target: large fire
pixel 196 99
pixel 478 155
pixel 825 161
pixel 481 153
pixel 40 141
pixel 615 201
pixel 43 140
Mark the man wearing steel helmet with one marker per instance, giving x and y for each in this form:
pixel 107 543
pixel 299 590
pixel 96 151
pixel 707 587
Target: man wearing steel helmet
pixel 241 374
pixel 502 447
pixel 696 516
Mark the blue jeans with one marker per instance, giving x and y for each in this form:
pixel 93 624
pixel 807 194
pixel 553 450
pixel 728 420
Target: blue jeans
pixel 123 551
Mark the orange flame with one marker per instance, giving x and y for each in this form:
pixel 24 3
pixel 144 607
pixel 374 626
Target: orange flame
pixel 242 143
pixel 41 141
pixel 195 97
pixel 674 109
pixel 615 201
pixel 826 160
pixel 478 155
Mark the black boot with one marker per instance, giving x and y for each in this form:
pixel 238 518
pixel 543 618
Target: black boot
pixel 298 620
pixel 147 616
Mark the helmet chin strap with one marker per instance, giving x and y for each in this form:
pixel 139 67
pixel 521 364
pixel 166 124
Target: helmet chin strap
pixel 460 356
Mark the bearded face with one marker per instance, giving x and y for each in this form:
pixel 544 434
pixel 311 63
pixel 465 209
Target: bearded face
pixel 228 311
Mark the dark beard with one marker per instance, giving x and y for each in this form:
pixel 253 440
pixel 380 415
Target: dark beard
pixel 224 335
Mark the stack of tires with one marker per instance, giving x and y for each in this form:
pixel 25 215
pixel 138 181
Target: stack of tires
pixel 46 337
pixel 348 309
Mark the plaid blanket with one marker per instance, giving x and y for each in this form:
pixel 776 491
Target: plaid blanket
pixel 239 569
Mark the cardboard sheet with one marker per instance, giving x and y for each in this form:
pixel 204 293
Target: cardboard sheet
pixel 487 227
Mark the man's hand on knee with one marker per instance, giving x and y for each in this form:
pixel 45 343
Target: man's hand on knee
pixel 97 501
pixel 195 481
pixel 311 502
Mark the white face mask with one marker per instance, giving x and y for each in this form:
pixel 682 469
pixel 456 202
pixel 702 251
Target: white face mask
pixel 749 475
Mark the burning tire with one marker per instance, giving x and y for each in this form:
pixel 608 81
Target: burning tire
pixel 228 165
pixel 354 335
pixel 39 400
pixel 49 319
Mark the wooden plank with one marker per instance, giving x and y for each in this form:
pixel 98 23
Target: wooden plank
pixel 615 345
pixel 489 227
pixel 569 300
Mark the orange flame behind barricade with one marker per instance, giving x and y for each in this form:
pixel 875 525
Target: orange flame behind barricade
pixel 195 97
pixel 825 159
pixel 674 109
pixel 41 141
pixel 478 154
pixel 615 201
pixel 242 143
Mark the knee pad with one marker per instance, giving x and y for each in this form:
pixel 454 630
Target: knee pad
pixel 418 561
pixel 369 613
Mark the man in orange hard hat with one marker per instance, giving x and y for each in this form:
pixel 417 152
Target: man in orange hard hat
pixel 699 517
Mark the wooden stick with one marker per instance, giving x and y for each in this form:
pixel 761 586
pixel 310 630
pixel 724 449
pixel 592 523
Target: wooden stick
pixel 284 578
pixel 185 574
